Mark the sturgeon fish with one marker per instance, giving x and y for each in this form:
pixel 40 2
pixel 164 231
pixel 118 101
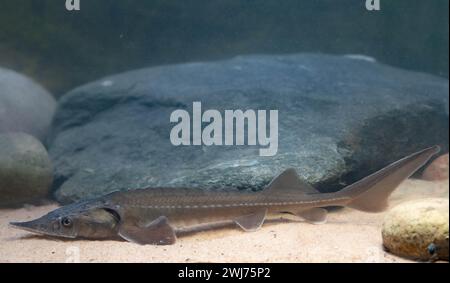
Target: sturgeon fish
pixel 155 215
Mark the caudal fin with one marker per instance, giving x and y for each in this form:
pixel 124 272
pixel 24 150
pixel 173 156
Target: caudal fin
pixel 371 193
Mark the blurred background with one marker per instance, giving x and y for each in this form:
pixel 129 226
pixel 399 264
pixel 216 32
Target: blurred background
pixel 62 49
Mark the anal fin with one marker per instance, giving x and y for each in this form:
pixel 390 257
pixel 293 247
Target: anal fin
pixel 251 222
pixel 158 232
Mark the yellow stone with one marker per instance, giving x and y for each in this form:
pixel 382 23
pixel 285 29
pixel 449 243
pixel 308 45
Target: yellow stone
pixel 418 229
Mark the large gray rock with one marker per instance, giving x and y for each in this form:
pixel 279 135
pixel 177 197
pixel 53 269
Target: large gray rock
pixel 24 105
pixel 25 170
pixel 340 118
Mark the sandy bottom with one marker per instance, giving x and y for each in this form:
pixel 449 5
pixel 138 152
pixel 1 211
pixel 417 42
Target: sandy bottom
pixel 349 236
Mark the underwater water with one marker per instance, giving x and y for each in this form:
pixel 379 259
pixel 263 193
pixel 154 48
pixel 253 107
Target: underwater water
pixel 64 49
pixel 187 123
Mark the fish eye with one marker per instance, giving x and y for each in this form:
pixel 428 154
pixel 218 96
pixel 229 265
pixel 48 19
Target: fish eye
pixel 66 222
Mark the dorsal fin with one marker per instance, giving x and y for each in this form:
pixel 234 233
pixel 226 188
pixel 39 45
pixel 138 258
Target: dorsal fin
pixel 289 182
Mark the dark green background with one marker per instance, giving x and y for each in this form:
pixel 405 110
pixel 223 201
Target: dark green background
pixel 63 49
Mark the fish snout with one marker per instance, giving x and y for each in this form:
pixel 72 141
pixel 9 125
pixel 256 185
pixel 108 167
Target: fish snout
pixel 41 226
pixel 31 226
pixel 34 226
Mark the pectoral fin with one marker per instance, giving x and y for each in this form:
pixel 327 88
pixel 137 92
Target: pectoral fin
pixel 158 232
pixel 251 222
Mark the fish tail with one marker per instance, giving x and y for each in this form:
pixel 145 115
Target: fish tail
pixel 371 193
